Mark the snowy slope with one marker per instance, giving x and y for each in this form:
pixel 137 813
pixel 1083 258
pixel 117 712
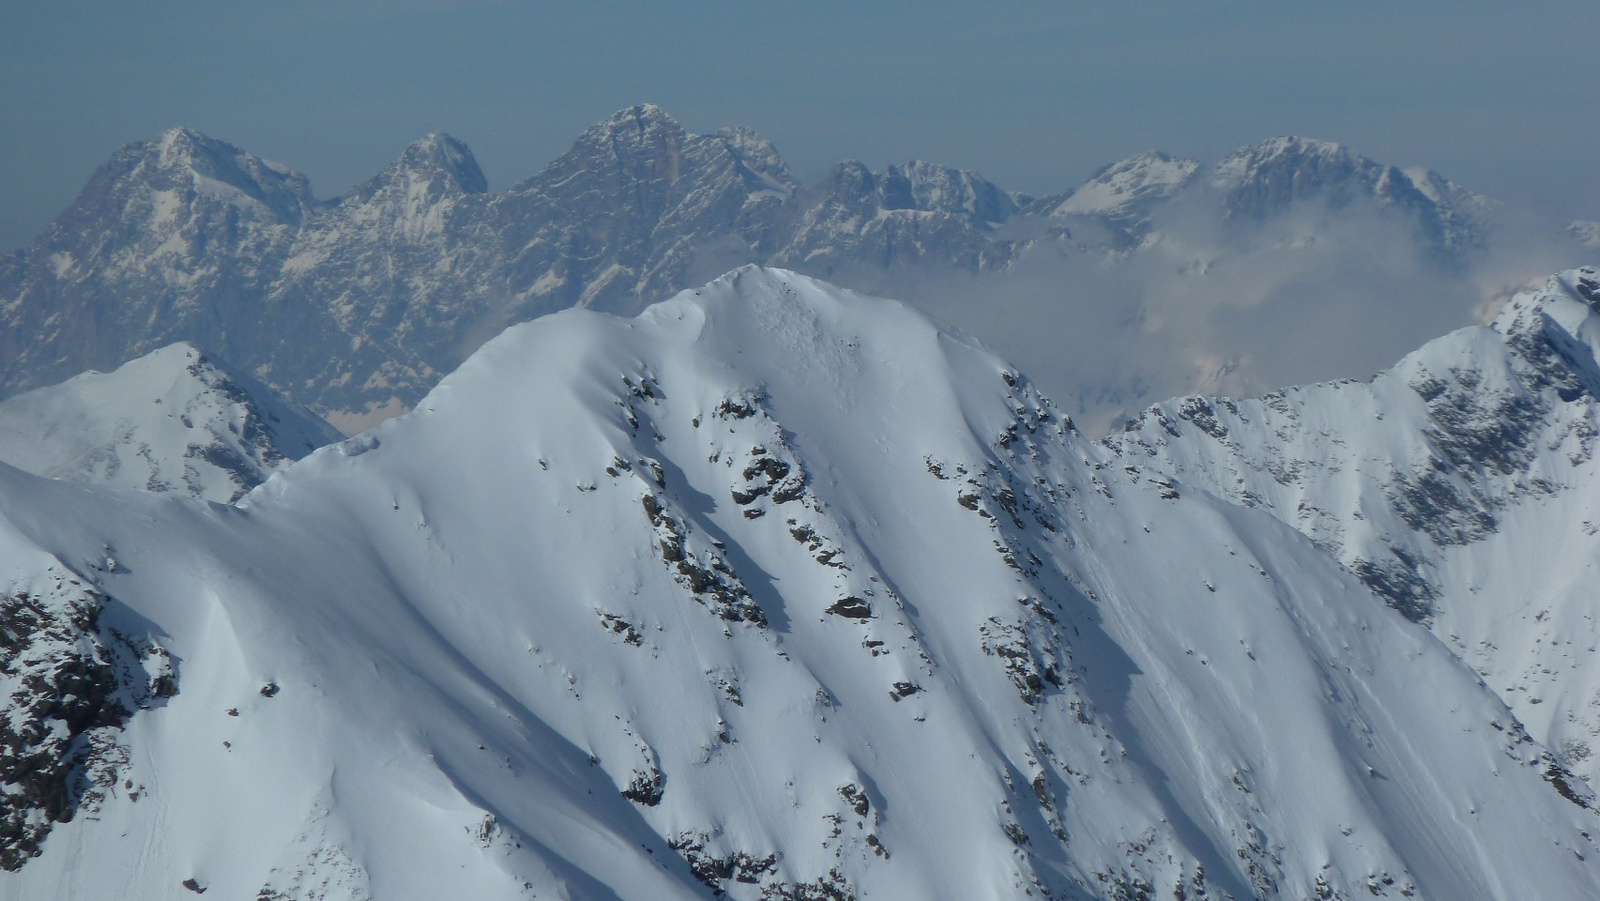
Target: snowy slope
pixel 773 590
pixel 174 420
pixel 1124 190
pixel 1458 485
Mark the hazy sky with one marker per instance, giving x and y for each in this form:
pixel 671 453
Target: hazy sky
pixel 1502 97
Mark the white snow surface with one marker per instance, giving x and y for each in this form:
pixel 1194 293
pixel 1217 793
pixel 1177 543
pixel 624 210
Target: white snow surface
pixel 600 558
pixel 1119 189
pixel 1461 479
pixel 173 420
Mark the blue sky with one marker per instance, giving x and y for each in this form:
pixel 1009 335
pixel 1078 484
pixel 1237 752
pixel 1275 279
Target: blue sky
pixel 1503 98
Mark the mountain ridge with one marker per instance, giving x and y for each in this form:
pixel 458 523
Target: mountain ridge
pixel 1437 482
pixel 174 420
pixel 773 591
pixel 355 306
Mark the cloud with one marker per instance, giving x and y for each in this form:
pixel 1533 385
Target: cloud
pixel 1228 307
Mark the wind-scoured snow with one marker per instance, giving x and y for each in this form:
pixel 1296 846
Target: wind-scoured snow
pixel 779 591
pixel 174 420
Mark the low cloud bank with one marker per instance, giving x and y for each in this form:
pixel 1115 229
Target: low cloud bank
pixel 1206 305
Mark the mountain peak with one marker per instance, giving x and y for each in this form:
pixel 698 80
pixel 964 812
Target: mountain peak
pixel 1270 176
pixel 436 161
pixel 441 152
pixel 186 159
pixel 640 117
pixel 176 420
pixel 1286 146
pixel 735 598
pixel 184 146
pixel 1289 156
pixel 921 185
pixel 180 142
pixel 758 154
pixel 638 139
pixel 1569 298
pixel 1119 189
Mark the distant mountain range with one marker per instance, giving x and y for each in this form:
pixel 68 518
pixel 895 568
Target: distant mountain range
pixel 356 306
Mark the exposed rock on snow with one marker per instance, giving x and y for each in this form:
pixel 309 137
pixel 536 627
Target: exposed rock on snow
pixel 69 681
pixel 1075 679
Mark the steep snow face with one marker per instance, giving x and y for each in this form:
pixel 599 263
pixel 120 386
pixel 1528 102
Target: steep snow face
pixel 1456 486
pixel 777 591
pixel 173 421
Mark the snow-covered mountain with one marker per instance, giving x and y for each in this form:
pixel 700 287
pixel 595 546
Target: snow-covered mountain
pixel 356 306
pixel 1458 485
pixel 773 591
pixel 1123 193
pixel 175 420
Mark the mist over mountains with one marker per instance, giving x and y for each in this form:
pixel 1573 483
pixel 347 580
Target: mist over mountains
pixel 1156 277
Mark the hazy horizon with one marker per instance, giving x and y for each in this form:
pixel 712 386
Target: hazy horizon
pixel 1503 103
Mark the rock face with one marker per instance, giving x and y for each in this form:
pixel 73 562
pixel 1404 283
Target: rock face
pixel 356 306
pixel 917 214
pixel 1272 176
pixel 175 420
pixel 171 240
pixel 69 682
pixel 1457 486
pixel 774 591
